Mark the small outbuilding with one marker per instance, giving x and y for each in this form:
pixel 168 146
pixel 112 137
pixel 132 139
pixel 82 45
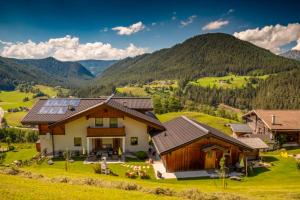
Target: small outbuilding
pixel 189 145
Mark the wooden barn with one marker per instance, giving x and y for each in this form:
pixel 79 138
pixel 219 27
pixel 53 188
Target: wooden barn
pixel 189 145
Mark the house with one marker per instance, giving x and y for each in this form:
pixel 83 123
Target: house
pixel 274 125
pixel 106 124
pixel 189 145
pixel 95 124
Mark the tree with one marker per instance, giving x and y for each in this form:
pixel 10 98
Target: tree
pixel 157 105
pixel 222 172
pixel 8 140
pixel 67 159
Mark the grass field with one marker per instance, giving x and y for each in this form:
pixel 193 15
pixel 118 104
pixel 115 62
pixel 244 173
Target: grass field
pixel 279 182
pixel 226 82
pixel 132 90
pixel 216 122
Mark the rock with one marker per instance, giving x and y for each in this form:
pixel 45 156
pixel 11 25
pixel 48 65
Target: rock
pixel 236 178
pixel 71 161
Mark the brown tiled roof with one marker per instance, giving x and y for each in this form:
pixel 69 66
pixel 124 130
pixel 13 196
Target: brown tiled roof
pixel 255 143
pixel 33 116
pixel 284 119
pixel 182 131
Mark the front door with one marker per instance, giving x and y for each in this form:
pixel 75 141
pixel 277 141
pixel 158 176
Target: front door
pixel 210 160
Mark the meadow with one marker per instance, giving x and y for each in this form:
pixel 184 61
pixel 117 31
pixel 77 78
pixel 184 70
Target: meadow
pixel 278 182
pixel 226 82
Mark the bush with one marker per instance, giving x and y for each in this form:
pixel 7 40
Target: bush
pixel 11 148
pixel 298 164
pixel 143 175
pixel 142 155
pixel 162 191
pixel 127 186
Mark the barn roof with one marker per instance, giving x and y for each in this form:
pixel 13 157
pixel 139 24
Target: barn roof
pixel 255 143
pixel 240 128
pixel 182 131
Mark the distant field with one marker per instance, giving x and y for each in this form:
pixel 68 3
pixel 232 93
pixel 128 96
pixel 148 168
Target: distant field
pixel 14 119
pixel 131 90
pixel 226 82
pixel 216 122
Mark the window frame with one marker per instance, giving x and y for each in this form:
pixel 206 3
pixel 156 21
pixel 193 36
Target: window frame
pixel 113 125
pixel 100 118
pixel 77 145
pixel 134 143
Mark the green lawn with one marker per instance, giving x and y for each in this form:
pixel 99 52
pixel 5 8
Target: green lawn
pixel 14 119
pixel 21 152
pixel 216 122
pixel 226 82
pixel 279 182
pixel 20 188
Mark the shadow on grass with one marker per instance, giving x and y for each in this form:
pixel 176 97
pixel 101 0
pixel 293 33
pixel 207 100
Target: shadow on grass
pixel 269 159
pixel 257 171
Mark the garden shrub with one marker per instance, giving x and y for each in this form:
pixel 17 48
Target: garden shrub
pixel 142 155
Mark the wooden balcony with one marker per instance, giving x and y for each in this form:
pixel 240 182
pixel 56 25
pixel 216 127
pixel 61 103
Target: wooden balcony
pixel 105 132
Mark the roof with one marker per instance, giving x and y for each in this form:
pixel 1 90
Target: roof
pixel 255 143
pixel 182 131
pixel 33 115
pixel 240 128
pixel 284 119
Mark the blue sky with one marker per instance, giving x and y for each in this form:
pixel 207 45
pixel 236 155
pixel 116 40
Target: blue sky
pixel 156 25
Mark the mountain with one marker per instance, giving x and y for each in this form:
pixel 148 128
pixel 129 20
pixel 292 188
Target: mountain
pixel 43 71
pixel 293 54
pixel 97 66
pixel 213 54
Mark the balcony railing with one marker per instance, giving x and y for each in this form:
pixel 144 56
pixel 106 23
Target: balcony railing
pixel 105 132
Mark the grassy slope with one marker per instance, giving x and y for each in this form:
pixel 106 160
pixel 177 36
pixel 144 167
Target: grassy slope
pixel 19 188
pixel 21 152
pixel 235 81
pixel 281 181
pixel 216 122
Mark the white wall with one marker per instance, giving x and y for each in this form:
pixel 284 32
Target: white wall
pixel 78 128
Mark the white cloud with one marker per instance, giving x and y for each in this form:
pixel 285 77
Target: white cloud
pixel 188 21
pixel 230 11
pixel 173 17
pixel 272 37
pixel 134 28
pixel 68 48
pixel 215 25
pixel 297 47
pixel 153 23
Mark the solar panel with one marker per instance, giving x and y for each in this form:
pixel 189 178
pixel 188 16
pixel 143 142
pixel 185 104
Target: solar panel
pixel 62 102
pixel 53 110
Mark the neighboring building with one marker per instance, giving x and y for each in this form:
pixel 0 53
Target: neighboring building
pixel 93 124
pixel 190 145
pixel 269 125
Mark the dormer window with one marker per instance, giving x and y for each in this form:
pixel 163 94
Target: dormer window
pixel 99 122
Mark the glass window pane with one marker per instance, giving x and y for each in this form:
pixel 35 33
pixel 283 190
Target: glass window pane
pixel 99 122
pixel 134 141
pixel 113 122
pixel 77 141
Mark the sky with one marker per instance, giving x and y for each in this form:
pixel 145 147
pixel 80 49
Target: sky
pixel 105 30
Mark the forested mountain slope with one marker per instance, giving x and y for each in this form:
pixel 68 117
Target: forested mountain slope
pixel 213 54
pixel 47 71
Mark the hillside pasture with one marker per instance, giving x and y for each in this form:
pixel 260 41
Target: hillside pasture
pixel 226 82
pixel 216 122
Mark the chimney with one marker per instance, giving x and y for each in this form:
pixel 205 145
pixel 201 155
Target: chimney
pixel 124 103
pixel 273 119
pixel 71 108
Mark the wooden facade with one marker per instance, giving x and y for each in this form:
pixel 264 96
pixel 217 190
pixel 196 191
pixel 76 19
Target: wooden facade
pixel 193 156
pixel 57 130
pixel 105 132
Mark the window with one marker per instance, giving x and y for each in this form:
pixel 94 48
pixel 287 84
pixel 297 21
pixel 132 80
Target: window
pixel 134 141
pixel 77 141
pixel 98 122
pixel 113 122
